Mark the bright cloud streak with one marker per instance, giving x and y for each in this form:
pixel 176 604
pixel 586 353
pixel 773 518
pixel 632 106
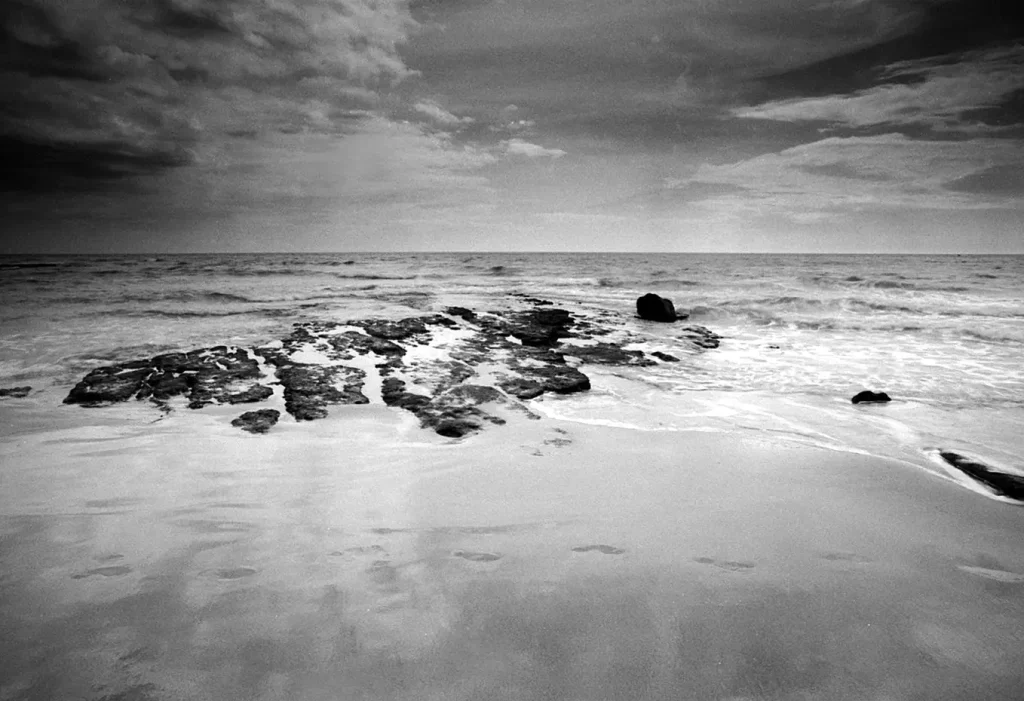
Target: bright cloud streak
pixel 942 94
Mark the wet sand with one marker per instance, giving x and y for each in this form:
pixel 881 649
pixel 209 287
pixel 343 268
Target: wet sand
pixel 361 558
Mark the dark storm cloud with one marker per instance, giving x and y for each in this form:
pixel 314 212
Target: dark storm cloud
pixel 108 88
pixel 939 27
pixel 970 92
pixel 566 57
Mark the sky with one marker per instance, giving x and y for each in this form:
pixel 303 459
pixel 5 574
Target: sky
pixel 149 126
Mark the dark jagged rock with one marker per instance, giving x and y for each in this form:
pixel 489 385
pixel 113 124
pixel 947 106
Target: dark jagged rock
pixel 607 354
pixel 870 397
pixel 540 327
pixel 456 412
pixel 15 392
pixel 393 393
pixel 219 370
pixel 461 312
pixel 351 343
pixel 308 389
pixel 1002 483
pixel 560 379
pixel 164 385
pixel 259 421
pixel 402 328
pixel 701 337
pixel 522 387
pixel 256 393
pixel 205 376
pixel 115 383
pixel 656 308
pixel 665 357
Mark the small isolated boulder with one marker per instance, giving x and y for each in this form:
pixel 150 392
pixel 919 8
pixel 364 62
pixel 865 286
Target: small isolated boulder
pixel 258 421
pixel 655 308
pixel 871 397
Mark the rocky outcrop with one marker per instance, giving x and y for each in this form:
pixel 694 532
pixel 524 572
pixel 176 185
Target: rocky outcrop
pixel 1002 484
pixel 309 389
pixel 205 376
pixel 869 397
pixel 542 328
pixel 459 410
pixel 259 421
pixel 457 372
pixel 608 354
pixel 15 392
pixel 655 308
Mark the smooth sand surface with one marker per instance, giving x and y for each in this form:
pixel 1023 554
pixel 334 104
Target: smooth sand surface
pixel 361 558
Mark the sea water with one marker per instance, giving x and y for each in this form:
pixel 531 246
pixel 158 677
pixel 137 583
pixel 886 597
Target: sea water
pixel 943 335
pixel 712 528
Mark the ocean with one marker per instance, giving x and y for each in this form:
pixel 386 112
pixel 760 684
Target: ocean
pixel 716 523
pixel 941 334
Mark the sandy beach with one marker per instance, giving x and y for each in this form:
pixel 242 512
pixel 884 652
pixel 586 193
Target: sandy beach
pixel 361 557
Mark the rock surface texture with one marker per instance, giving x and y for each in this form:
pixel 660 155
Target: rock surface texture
pixel 456 371
pixel 259 421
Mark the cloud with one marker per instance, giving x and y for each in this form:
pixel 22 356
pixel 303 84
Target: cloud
pixel 110 87
pixel 862 173
pixel 1003 180
pixel 379 162
pixel 440 115
pixel 519 147
pixel 944 93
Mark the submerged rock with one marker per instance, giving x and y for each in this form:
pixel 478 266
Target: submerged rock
pixel 870 397
pixel 1003 484
pixel 259 421
pixel 701 337
pixel 608 354
pixel 655 308
pixel 402 328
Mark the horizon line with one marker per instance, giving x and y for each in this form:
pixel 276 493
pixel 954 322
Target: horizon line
pixel 522 252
